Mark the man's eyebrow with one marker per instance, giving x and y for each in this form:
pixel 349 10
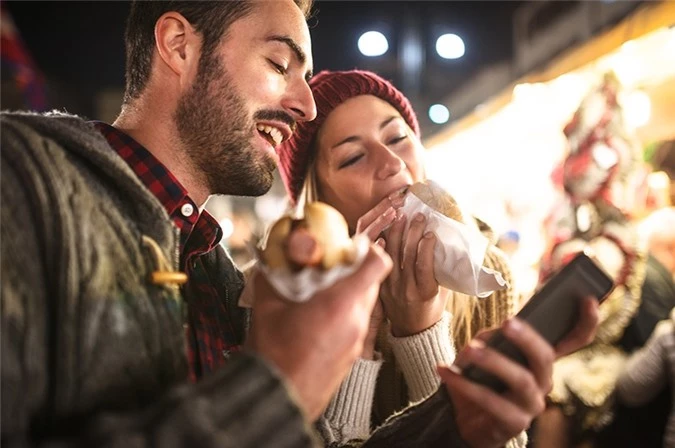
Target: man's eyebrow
pixel 299 53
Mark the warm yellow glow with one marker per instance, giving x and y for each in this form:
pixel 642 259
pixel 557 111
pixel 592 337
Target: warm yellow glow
pixel 658 180
pixel 637 109
pixel 500 167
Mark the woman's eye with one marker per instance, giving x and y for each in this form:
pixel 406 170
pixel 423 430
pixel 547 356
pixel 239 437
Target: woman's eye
pixel 398 139
pixel 280 68
pixel 350 161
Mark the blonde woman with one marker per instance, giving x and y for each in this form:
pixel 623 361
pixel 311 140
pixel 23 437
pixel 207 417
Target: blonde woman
pixel 362 150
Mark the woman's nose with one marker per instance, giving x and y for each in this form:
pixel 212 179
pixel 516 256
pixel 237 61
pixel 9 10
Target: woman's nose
pixel 389 163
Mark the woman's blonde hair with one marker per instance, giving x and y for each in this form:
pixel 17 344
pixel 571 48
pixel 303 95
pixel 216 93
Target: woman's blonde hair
pixel 310 188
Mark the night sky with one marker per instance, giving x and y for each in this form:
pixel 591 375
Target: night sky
pixel 79 46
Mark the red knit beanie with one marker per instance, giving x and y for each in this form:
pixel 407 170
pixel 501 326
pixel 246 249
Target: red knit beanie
pixel 330 89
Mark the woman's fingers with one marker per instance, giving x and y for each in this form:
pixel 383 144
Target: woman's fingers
pixel 376 223
pixel 394 237
pixel 424 266
pixel 380 217
pixel 411 241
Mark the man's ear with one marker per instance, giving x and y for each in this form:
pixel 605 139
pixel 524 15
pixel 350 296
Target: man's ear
pixel 177 42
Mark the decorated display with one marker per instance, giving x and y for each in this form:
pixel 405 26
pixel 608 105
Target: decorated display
pixel 597 185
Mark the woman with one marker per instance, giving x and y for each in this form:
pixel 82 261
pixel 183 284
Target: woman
pixel 359 154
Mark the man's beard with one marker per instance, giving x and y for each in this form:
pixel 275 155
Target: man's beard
pixel 216 134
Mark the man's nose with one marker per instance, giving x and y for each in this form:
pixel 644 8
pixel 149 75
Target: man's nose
pixel 300 103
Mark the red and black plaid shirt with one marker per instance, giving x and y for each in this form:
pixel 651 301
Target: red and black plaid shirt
pixel 210 334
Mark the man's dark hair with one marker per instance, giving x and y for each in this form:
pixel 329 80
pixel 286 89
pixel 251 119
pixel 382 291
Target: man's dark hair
pixel 210 18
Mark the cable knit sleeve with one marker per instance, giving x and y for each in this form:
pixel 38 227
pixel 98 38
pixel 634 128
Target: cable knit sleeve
pixel 520 441
pixel 347 417
pixel 419 354
pixel 645 373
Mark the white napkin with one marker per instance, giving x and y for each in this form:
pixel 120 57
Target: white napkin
pixel 459 252
pixel 302 285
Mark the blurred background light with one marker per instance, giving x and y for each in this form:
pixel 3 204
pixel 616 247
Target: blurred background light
pixel 450 46
pixel 439 114
pixel 373 43
pixel 637 109
pixel 227 226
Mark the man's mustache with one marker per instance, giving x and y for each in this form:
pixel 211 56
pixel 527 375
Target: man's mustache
pixel 276 115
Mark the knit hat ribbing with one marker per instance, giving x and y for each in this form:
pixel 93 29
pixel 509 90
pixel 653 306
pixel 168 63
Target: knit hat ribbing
pixel 330 89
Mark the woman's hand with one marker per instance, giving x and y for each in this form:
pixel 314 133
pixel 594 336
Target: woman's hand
pixel 380 217
pixel 376 318
pixel 411 295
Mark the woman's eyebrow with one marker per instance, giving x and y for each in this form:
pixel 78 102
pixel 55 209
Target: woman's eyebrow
pixel 355 138
pixel 350 139
pixel 388 120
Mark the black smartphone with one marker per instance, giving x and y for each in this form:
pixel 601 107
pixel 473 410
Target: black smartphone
pixel 553 311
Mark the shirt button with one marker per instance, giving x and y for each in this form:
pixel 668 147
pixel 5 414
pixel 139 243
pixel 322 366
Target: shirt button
pixel 187 210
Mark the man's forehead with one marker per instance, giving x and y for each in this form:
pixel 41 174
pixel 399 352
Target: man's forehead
pixel 282 18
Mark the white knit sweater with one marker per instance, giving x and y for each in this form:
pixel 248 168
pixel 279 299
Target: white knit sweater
pixel 649 370
pixel 348 414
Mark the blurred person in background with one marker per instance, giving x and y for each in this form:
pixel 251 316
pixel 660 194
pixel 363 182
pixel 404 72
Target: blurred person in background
pixel 23 85
pixel 641 418
pixel 658 289
pixel 650 372
pixel 358 155
pixel 508 242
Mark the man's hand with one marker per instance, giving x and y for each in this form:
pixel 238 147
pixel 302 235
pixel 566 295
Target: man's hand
pixel 314 344
pixel 584 332
pixel 488 419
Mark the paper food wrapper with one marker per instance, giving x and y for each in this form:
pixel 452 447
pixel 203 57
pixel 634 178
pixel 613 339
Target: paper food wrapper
pixel 459 252
pixel 302 285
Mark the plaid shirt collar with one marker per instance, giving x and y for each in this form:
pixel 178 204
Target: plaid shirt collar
pixel 210 332
pixel 200 229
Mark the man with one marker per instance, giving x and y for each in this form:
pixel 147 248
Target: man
pixel 99 221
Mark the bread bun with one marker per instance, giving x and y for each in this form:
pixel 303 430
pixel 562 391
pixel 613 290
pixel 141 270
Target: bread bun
pixel 437 198
pixel 274 254
pixel 326 226
pixel 330 229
